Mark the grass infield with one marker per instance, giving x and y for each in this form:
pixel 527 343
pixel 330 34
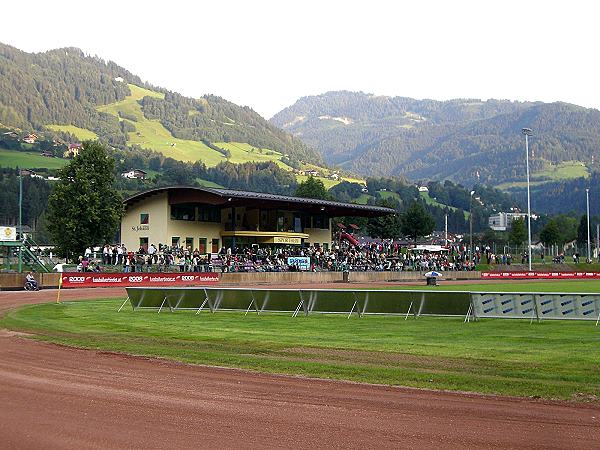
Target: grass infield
pixel 552 359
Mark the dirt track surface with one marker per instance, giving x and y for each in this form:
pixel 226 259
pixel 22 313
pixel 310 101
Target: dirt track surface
pixel 59 397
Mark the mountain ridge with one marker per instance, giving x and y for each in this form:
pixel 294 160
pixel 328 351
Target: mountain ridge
pixel 465 140
pixel 67 87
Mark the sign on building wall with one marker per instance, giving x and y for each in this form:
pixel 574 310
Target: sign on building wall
pixel 8 234
pixel 287 240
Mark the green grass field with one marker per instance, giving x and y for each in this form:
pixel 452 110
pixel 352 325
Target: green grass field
pixel 29 160
pixel 551 359
pixel 82 134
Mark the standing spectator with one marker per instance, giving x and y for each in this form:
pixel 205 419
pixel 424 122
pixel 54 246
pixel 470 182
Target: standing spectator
pixel 120 254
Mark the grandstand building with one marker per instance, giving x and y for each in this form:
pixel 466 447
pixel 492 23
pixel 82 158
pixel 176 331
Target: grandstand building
pixel 208 219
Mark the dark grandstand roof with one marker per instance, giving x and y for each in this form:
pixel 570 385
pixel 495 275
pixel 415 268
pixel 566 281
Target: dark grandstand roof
pixel 232 197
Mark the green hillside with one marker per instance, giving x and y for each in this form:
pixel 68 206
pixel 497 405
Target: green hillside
pixel 29 160
pixel 80 133
pixel 241 152
pixel 433 202
pixel 151 134
pixel 567 170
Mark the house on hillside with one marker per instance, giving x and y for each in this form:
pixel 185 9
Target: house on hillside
pixel 134 174
pixel 73 150
pixel 48 154
pixel 334 176
pixel 31 138
pixel 11 134
pixel 423 189
pixel 30 173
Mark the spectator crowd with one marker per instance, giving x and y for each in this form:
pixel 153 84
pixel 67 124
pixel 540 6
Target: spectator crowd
pixel 384 255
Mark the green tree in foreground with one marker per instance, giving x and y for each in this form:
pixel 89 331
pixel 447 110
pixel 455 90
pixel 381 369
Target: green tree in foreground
pixel 313 188
pixel 84 208
pixel 416 222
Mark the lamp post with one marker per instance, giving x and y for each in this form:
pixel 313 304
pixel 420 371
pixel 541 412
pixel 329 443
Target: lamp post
pixel 21 222
pixel 527 132
pixel 471 227
pixel 587 202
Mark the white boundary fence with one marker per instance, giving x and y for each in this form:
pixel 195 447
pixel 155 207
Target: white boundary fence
pixel 471 305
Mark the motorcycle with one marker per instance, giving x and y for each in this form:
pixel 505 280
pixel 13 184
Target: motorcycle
pixel 29 286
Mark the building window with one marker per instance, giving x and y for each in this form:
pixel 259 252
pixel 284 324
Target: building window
pixel 215 246
pixel 144 219
pixel 320 221
pixel 185 211
pixel 209 214
pixel 144 243
pixel 202 245
pixel 175 241
pixel 189 243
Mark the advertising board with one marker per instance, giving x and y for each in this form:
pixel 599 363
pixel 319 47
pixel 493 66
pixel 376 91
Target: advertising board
pixel 540 275
pixel 302 262
pixel 86 279
pixel 8 233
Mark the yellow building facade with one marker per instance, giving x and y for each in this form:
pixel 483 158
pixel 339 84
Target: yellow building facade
pixel 208 219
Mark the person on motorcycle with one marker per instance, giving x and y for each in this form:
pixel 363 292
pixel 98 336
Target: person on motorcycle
pixel 31 280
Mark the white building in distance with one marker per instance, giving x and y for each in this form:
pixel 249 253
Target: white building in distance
pixel 502 221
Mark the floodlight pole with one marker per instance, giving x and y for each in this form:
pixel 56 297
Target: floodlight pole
pixel 446 228
pixel 471 227
pixel 587 201
pixel 598 241
pixel 21 221
pixel 527 132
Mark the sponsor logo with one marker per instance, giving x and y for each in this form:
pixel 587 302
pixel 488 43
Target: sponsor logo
pixel 106 280
pixel 135 279
pixel 188 278
pixel 76 279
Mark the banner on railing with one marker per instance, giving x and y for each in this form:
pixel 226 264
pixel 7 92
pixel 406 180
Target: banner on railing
pixel 302 262
pixel 86 279
pixel 542 275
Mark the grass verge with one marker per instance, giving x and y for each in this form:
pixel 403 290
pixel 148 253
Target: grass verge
pixel 558 360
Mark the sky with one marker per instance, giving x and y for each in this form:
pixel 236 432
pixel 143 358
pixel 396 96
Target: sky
pixel 267 54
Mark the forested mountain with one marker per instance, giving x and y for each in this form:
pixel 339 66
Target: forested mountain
pixel 466 140
pixel 66 87
pixel 562 196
